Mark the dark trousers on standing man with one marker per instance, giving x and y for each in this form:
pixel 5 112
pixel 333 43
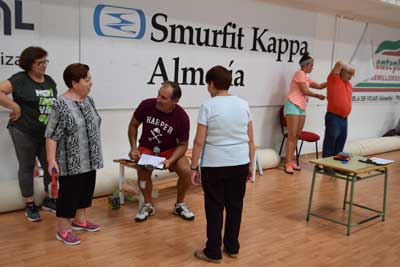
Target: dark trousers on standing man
pixel 224 187
pixel 335 134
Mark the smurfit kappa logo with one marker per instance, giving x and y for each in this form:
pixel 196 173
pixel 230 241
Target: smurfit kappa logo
pixel 119 22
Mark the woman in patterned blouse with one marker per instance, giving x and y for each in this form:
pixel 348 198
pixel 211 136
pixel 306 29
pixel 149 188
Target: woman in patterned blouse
pixel 74 152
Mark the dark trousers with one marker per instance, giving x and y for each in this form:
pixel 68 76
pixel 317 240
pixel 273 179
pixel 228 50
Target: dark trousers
pixel 27 148
pixel 224 187
pixel 75 192
pixel 335 134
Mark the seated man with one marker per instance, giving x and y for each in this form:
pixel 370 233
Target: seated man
pixel 165 133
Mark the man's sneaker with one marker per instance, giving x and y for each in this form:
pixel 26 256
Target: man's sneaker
pixel 68 237
pixel 32 212
pixel 145 211
pixel 201 256
pixel 49 204
pixel 87 226
pixel 181 209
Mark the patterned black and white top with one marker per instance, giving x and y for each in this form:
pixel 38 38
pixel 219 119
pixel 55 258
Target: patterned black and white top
pixel 75 126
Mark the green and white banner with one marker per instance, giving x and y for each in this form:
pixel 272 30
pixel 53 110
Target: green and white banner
pixel 386 69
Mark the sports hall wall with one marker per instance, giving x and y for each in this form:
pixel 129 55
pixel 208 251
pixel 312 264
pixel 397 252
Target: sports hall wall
pixel 132 46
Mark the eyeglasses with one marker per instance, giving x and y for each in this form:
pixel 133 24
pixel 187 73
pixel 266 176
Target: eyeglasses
pixel 42 62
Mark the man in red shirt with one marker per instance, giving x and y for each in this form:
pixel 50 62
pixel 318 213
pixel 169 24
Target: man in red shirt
pixel 165 133
pixel 339 95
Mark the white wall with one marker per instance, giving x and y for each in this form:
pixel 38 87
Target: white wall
pixel 366 120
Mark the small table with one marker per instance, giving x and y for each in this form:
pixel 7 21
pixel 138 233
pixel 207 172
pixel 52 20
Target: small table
pixel 352 172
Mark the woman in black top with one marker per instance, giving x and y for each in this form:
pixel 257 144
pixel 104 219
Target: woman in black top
pixel 33 93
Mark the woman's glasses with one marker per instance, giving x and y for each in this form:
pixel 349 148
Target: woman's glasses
pixel 42 62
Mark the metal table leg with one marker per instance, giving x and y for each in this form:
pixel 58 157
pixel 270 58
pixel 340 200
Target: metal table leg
pixel 253 178
pixel 257 166
pixel 311 193
pixel 345 192
pixel 385 195
pixel 353 179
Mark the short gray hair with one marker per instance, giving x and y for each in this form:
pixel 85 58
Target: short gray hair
pixel 349 68
pixel 176 89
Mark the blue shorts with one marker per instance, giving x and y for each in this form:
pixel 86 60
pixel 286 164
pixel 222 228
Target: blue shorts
pixel 292 109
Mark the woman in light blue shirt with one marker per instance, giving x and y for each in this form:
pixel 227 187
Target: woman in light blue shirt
pixel 224 139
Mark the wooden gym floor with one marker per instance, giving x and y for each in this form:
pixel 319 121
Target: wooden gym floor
pixel 274 230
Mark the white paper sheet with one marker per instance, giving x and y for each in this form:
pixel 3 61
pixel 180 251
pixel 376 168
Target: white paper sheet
pixel 154 161
pixel 380 161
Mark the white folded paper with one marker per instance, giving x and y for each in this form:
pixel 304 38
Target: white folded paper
pixel 150 160
pixel 379 161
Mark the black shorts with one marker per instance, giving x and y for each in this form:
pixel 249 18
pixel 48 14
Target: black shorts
pixel 75 192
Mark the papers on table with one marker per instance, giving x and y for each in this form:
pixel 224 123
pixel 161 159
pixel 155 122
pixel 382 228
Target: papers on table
pixel 380 161
pixel 151 161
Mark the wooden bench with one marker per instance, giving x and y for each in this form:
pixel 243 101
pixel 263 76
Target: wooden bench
pixel 159 184
pixel 168 181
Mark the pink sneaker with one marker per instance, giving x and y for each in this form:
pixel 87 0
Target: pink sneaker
pixel 87 226
pixel 288 168
pixel 295 166
pixel 68 237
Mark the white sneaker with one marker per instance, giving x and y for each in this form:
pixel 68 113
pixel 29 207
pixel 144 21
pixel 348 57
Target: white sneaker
pixel 145 211
pixel 181 209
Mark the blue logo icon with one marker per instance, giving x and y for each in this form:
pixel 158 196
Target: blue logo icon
pixel 120 22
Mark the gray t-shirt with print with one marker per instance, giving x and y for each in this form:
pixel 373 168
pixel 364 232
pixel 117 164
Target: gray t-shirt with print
pixel 75 126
